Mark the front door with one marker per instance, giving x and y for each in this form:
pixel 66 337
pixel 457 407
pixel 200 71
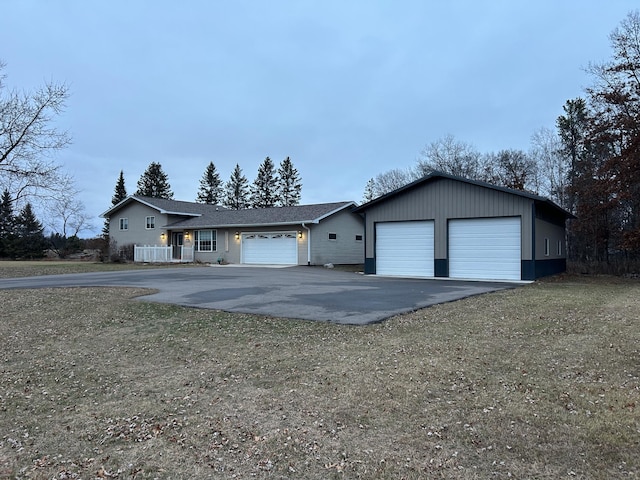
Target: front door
pixel 177 241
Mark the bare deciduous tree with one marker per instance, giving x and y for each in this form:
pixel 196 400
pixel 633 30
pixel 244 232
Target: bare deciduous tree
pixel 451 156
pixel 553 166
pixel 28 139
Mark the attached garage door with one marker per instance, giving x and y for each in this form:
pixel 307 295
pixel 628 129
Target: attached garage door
pixel 486 248
pixel 270 248
pixel 404 248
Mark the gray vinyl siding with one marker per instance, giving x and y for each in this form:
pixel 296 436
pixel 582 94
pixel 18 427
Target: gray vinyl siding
pixel 229 249
pixel 137 233
pixel 345 249
pixel 224 242
pixel 445 199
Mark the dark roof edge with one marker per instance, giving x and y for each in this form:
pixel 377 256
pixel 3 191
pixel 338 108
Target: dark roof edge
pixel 437 174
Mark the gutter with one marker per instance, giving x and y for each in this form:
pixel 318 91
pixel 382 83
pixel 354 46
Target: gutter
pixel 308 243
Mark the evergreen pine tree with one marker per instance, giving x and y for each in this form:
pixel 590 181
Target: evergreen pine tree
pixel 119 194
pixel 7 225
pixel 154 183
pixel 289 185
pixel 210 186
pixel 237 190
pixel 264 188
pixel 30 241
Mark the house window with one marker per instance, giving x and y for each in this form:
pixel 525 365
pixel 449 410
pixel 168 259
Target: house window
pixel 333 236
pixel 205 240
pixel 358 238
pixel 150 222
pixel 546 247
pixel 124 224
pixel 559 248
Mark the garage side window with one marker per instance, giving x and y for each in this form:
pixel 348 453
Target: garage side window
pixel 150 222
pixel 546 247
pixel 205 240
pixel 124 224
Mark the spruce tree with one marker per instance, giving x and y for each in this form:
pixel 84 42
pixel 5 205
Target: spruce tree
pixel 154 183
pixel 237 190
pixel 120 192
pixel 289 185
pixel 7 225
pixel 30 242
pixel 264 188
pixel 210 186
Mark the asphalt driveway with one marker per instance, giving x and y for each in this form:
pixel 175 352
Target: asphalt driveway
pixel 294 292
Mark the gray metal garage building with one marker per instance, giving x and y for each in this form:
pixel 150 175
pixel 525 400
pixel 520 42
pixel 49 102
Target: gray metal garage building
pixel 447 226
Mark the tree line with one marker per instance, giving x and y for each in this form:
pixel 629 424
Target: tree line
pixel 281 187
pixel 22 234
pixel 589 164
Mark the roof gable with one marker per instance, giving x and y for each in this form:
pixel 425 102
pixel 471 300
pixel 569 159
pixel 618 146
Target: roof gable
pixel 435 175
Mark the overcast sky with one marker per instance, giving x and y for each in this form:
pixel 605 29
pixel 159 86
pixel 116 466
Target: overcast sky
pixel 347 89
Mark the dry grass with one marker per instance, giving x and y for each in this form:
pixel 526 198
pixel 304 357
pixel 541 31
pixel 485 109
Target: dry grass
pixel 16 269
pixel 537 382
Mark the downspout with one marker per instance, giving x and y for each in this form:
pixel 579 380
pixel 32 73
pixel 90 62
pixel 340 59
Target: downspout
pixel 308 243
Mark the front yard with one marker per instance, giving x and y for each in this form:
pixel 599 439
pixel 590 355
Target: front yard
pixel 538 382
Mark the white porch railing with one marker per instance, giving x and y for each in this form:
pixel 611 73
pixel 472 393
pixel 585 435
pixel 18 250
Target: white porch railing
pixel 187 254
pixel 161 254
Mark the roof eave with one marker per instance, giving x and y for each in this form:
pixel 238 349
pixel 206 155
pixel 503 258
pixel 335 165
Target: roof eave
pixel 240 225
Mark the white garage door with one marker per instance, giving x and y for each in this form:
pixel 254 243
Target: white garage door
pixel 279 248
pixel 485 248
pixel 404 248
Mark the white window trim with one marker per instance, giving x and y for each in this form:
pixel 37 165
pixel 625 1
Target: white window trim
pixel 123 223
pixel 153 222
pixel 214 240
pixel 559 248
pixel 547 247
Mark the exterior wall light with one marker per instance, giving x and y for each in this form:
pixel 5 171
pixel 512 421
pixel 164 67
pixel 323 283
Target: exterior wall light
pixel 237 235
pixel 299 233
pixel 186 235
pixel 162 236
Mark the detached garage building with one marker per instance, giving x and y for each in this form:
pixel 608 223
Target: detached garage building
pixel 448 226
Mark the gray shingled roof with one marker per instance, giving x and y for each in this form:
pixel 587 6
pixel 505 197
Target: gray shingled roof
pixel 163 205
pixel 201 215
pixel 263 216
